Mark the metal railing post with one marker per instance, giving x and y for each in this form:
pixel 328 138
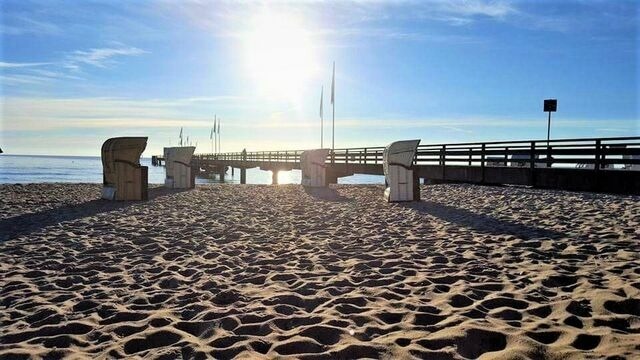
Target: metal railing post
pixel 443 155
pixel 597 163
pixel 482 156
pixel 532 164
pixel 506 155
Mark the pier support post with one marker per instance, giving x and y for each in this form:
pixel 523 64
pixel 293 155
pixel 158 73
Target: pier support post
pixel 221 174
pixel 274 177
pixel 243 176
pixel 232 171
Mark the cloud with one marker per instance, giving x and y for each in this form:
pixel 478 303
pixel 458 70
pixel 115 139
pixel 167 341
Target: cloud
pixel 76 119
pixel 40 114
pixel 23 79
pixel 22 24
pixel 463 12
pixel 21 65
pixel 99 57
pixel 348 18
pixel 494 9
pixel 36 73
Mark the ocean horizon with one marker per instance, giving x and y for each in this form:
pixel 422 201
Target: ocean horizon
pixel 24 169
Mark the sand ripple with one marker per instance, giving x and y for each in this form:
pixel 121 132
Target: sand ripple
pixel 261 272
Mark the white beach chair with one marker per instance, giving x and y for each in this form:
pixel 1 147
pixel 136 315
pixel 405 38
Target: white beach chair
pixel 401 183
pixel 178 167
pixel 312 164
pixel 123 176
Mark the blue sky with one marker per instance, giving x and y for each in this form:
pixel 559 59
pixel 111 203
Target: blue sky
pixel 76 73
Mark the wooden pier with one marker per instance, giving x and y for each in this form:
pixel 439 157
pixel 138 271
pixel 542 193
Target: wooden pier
pixel 594 164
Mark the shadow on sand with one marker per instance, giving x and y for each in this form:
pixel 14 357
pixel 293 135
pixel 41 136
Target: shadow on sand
pixel 325 193
pixel 25 224
pixel 482 223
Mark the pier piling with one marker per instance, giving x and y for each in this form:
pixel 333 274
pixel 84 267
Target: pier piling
pixel 243 176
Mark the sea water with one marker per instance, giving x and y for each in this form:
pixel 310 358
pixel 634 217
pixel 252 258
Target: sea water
pixel 88 169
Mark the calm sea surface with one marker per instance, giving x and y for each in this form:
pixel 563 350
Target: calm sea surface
pixel 85 169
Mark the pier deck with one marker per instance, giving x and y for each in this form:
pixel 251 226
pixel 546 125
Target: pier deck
pixel 594 164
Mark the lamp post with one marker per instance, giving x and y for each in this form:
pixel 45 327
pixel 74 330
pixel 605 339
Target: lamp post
pixel 550 105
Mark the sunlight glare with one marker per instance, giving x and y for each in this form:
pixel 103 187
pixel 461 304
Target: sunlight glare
pixel 280 55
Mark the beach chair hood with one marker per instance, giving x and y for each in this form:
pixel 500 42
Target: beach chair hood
pixel 399 153
pixel 127 149
pixel 401 182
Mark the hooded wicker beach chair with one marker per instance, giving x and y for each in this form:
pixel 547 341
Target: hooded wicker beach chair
pixel 123 176
pixel 178 167
pixel 400 178
pixel 312 164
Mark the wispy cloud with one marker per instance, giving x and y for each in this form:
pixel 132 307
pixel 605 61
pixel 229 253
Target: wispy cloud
pixel 100 57
pixel 20 74
pixel 348 18
pixel 24 114
pixel 21 65
pixel 463 12
pixel 23 79
pixel 30 113
pixel 22 24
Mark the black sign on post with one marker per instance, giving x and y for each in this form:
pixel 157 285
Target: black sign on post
pixel 550 105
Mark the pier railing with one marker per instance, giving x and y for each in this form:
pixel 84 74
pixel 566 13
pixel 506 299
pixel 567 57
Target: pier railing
pixel 589 153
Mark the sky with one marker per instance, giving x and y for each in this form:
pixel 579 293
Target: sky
pixel 74 73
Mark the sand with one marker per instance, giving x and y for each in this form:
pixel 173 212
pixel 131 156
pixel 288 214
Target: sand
pixel 279 271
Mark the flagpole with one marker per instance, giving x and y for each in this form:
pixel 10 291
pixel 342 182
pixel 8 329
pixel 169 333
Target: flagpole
pixel 333 103
pixel 321 119
pixel 215 136
pixel 219 138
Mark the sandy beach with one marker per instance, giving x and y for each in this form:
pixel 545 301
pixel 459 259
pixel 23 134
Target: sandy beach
pixel 256 271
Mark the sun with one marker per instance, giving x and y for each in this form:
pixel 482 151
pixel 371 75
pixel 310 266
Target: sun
pixel 280 55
